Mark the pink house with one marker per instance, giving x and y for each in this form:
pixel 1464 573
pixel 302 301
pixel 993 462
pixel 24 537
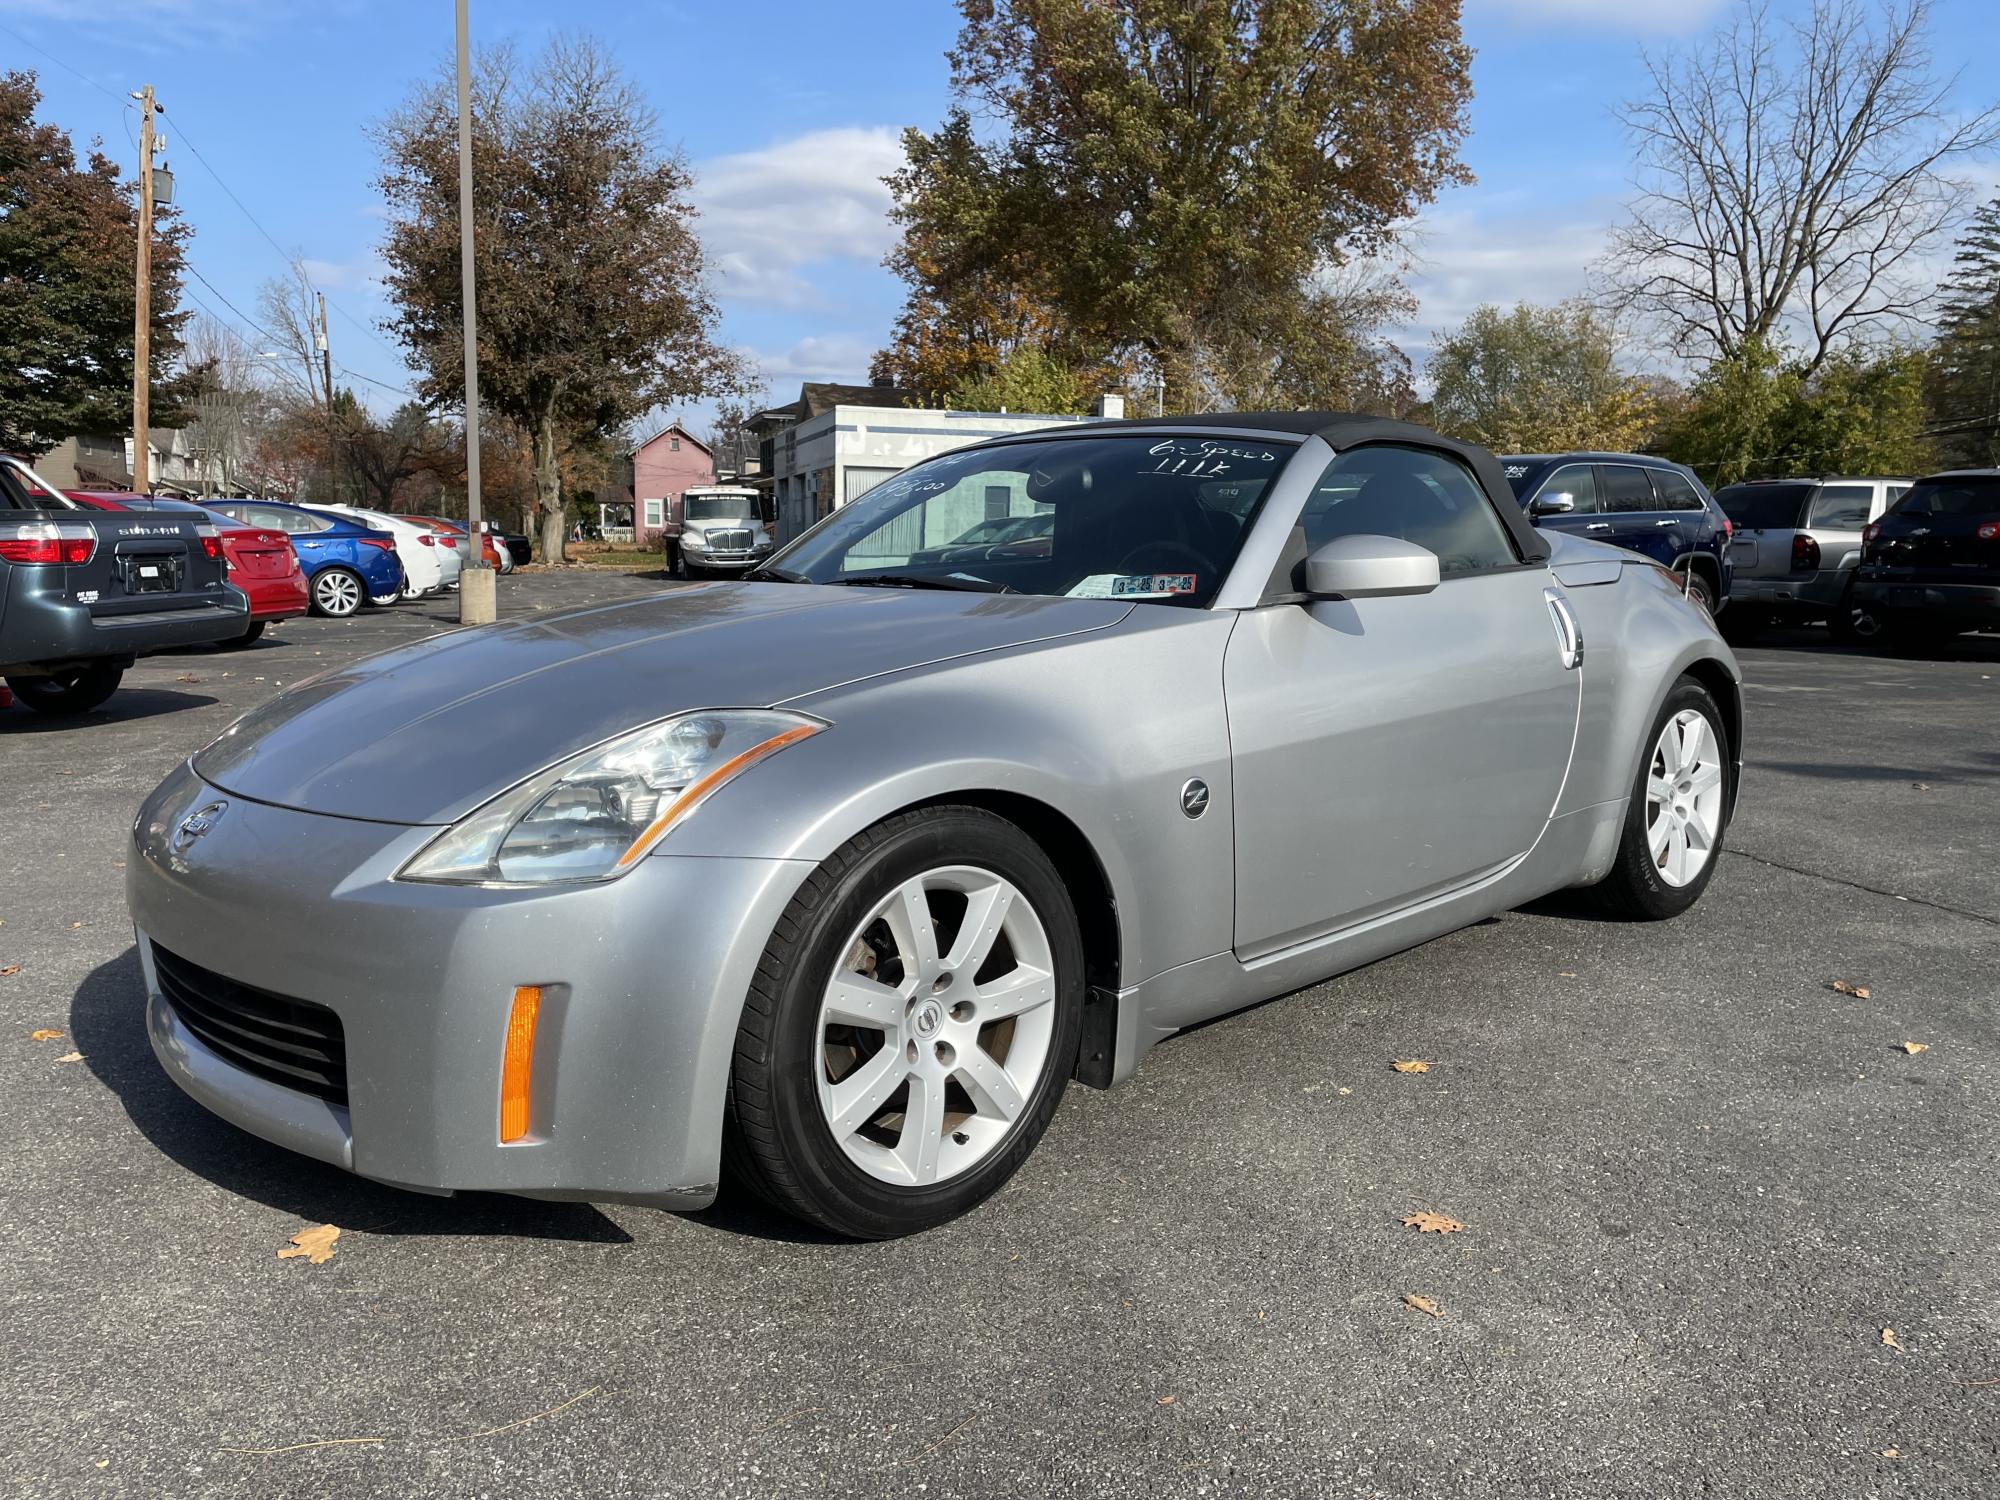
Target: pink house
pixel 663 466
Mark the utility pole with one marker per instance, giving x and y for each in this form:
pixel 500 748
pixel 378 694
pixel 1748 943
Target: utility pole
pixel 142 310
pixel 478 603
pixel 326 380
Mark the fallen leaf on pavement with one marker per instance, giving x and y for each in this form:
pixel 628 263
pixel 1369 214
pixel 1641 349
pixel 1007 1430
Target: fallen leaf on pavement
pixel 1426 1222
pixel 316 1245
pixel 1890 1453
pixel 1166 1400
pixel 74 925
pixel 71 1057
pixel 10 969
pixel 187 677
pixel 44 1035
pixel 1411 1065
pixel 1913 1048
pixel 1567 974
pixel 1423 1305
pixel 1345 1092
pixel 1846 987
pixel 1889 1341
pixel 1922 786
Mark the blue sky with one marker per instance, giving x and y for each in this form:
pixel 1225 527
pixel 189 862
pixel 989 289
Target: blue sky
pixel 790 114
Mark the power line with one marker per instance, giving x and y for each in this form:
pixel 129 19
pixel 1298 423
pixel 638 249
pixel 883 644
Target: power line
pixel 111 94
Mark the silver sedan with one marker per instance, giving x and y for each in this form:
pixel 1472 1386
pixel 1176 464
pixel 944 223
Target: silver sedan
pixel 832 879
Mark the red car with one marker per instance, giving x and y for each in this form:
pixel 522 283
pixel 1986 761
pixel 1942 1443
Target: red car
pixel 261 561
pixel 488 549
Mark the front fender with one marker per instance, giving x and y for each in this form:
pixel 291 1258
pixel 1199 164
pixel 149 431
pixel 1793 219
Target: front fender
pixel 1104 729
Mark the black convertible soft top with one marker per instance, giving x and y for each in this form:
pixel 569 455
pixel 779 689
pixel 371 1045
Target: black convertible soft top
pixel 1345 429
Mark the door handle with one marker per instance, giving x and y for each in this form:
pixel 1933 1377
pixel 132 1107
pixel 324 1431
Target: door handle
pixel 1666 523
pixel 1598 526
pixel 1569 635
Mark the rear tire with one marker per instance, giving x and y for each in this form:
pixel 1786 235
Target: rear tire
pixel 337 592
pixel 1700 590
pixel 952 1078
pixel 249 637
pixel 70 691
pixel 1676 813
pixel 1853 623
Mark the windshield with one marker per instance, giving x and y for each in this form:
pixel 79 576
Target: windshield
pixel 1970 497
pixel 722 507
pixel 1763 507
pixel 1145 517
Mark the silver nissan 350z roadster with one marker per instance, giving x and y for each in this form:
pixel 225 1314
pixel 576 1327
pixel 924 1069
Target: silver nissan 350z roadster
pixel 833 878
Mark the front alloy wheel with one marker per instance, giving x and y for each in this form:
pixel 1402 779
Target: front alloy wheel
pixel 1678 812
pixel 911 1028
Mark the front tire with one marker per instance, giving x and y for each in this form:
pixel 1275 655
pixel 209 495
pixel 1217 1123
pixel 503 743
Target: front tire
pixel 911 1027
pixel 1678 812
pixel 70 691
pixel 337 592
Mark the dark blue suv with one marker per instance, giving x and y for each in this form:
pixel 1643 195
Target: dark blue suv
pixel 1648 505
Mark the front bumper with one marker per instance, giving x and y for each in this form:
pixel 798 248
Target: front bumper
pixel 631 1055
pixel 1822 590
pixel 742 561
pixel 1969 604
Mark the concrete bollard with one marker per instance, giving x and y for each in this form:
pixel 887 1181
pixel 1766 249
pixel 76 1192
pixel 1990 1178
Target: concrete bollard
pixel 478 596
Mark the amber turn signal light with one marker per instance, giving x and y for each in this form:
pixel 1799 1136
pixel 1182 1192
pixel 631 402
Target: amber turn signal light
pixel 517 1065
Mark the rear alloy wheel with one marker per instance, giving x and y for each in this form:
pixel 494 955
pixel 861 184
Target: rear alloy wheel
pixel 337 593
pixel 1855 623
pixel 912 1026
pixel 70 690
pixel 1678 812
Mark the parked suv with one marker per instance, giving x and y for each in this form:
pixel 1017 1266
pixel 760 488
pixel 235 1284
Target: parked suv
pixel 84 593
pixel 1646 505
pixel 1931 567
pixel 1795 547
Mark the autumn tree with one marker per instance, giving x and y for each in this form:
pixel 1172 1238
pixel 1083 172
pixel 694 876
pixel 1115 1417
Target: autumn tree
pixel 1538 380
pixel 1760 414
pixel 1793 177
pixel 1965 370
pixel 1172 188
pixel 68 235
pixel 592 292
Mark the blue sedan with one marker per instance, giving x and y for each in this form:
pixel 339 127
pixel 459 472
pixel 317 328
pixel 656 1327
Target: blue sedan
pixel 346 564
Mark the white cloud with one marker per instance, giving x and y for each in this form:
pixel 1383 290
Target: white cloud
pixel 1655 18
pixel 838 356
pixel 768 216
pixel 344 275
pixel 1466 256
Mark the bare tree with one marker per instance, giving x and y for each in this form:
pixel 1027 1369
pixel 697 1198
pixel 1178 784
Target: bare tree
pixel 292 317
pixel 1791 179
pixel 231 408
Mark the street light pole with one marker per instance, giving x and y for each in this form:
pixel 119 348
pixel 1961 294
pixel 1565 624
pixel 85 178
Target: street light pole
pixel 142 308
pixel 477 601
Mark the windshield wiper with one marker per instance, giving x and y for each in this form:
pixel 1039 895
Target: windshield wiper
pixel 962 583
pixel 777 575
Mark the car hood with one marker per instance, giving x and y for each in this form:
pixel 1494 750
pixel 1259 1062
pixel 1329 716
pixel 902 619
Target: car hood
pixel 426 733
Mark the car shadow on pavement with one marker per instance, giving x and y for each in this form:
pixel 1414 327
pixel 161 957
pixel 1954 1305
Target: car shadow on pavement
pixel 107 1020
pixel 123 705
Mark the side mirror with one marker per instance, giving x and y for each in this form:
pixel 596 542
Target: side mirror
pixel 1370 567
pixel 1557 504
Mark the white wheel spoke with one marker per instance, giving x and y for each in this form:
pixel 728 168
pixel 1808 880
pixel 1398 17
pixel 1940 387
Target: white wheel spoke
pixel 991 1086
pixel 923 1128
pixel 1660 836
pixel 1707 778
pixel 1012 993
pixel 858 1098
pixel 909 919
pixel 1669 751
pixel 985 911
pixel 856 1000
pixel 1659 791
pixel 1694 742
pixel 1696 836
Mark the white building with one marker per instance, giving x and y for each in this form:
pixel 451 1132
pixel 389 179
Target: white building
pixel 836 455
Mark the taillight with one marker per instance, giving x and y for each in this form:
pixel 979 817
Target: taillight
pixel 1869 532
pixel 447 541
pixel 48 542
pixel 1805 553
pixel 1990 532
pixel 379 543
pixel 211 541
pixel 428 540
pixel 1728 528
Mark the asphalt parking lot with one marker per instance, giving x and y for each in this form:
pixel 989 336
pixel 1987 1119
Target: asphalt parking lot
pixel 1697 1185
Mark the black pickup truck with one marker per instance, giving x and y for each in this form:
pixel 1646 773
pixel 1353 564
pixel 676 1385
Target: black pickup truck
pixel 84 594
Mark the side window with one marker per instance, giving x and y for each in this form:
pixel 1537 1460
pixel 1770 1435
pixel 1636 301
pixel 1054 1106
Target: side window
pixel 1579 482
pixel 1426 498
pixel 1626 487
pixel 1675 491
pixel 1841 507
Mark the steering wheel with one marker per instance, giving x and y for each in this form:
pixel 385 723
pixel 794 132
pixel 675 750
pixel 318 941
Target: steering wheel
pixel 1185 559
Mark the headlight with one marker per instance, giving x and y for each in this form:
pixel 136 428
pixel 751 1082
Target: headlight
pixel 597 814
pixel 694 540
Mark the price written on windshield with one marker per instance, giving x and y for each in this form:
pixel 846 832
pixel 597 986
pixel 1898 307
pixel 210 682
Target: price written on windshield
pixel 1202 459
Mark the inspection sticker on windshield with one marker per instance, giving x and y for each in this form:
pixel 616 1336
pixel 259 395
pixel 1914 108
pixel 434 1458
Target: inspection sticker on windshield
pixel 1133 586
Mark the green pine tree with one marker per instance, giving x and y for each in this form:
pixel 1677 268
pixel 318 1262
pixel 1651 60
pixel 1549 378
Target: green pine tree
pixel 1965 377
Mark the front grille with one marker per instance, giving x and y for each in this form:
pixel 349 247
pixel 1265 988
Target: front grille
pixel 729 541
pixel 290 1042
